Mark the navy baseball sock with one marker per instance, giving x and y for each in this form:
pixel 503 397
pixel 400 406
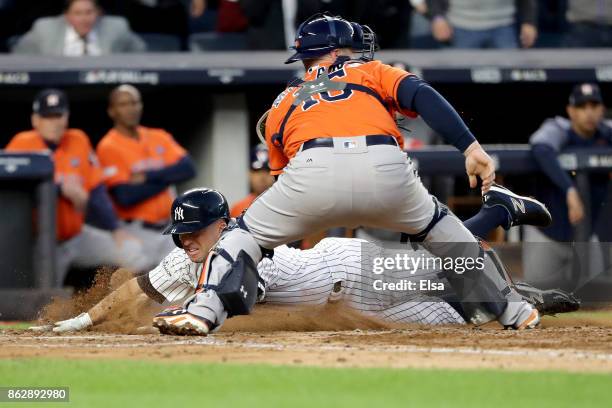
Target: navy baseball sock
pixel 487 220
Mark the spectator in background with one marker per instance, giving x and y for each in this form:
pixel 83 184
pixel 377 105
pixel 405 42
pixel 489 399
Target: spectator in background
pixel 161 16
pixel 25 13
pixel 141 165
pixel 81 30
pixel 590 23
pixel 585 128
pixel 266 28
pixel 80 191
pixel 351 10
pixel 259 179
pixel 484 23
pixel 230 17
pixel 552 23
pixel 390 19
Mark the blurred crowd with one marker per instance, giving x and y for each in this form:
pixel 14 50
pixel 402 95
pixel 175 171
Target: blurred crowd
pixel 96 27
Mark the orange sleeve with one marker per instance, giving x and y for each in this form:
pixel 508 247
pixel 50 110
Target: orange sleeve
pixel 20 143
pixel 114 168
pixel 173 151
pixel 93 170
pixel 277 159
pixel 389 79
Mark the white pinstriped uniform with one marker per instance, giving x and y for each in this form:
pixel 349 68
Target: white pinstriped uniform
pixel 331 271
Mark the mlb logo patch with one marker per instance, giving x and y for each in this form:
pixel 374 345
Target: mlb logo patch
pixel 349 144
pixel 160 150
pixel 75 161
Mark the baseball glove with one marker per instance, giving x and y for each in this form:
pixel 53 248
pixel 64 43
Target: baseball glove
pixel 548 302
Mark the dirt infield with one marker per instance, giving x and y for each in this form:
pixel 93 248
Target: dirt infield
pixel 333 335
pixel 281 336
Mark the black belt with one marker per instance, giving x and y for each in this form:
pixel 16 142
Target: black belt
pixel 371 140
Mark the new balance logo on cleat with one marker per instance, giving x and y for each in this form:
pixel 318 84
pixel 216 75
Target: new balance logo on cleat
pixel 518 205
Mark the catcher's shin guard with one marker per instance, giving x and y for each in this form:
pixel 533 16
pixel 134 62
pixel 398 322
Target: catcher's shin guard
pixel 480 289
pixel 480 292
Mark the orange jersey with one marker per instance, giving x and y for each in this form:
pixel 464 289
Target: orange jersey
pixel 336 113
pixel 73 158
pixel 242 205
pixel 121 156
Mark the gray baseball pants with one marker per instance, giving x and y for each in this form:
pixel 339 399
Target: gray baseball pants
pixel 353 185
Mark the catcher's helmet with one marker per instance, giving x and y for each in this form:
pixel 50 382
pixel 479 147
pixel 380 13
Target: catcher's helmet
pixel 320 34
pixel 194 210
pixel 364 41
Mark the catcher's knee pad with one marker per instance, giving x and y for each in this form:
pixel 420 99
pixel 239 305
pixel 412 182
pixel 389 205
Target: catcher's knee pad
pixel 440 212
pixel 231 270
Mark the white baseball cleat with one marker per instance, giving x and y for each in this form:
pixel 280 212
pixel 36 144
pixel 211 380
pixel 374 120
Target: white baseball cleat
pixel 177 321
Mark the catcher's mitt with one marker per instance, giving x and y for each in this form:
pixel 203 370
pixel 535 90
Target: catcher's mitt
pixel 548 302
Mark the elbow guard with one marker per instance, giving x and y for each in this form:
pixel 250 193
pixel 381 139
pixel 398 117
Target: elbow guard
pixel 238 289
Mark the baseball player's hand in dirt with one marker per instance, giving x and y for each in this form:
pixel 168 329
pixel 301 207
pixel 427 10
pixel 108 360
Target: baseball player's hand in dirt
pixel 115 301
pixel 479 163
pixel 79 322
pixel 74 191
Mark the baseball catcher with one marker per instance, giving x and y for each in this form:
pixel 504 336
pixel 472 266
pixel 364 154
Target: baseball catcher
pixel 334 270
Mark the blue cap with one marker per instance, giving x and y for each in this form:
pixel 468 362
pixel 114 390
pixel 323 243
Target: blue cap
pixel 50 102
pixel 583 93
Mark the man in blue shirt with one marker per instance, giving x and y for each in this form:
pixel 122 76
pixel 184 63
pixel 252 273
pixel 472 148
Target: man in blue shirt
pixel 585 128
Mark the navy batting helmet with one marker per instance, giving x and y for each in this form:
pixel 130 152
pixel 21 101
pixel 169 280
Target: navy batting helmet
pixel 194 210
pixel 320 34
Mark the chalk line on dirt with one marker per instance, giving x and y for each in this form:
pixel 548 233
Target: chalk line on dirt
pixel 211 341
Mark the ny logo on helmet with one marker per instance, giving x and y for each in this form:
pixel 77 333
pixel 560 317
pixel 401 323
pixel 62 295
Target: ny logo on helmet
pixel 178 214
pixel 244 292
